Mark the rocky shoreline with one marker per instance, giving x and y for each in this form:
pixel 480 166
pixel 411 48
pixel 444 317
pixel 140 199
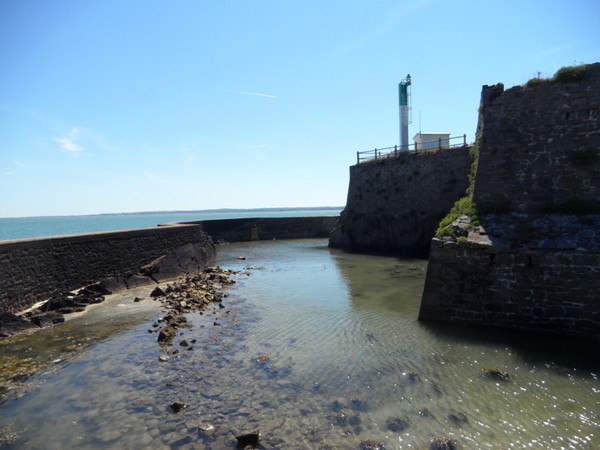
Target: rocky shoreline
pixel 183 295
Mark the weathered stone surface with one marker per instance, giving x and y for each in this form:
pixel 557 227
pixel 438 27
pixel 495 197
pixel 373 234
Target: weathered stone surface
pixel 11 324
pixel 527 268
pixel 397 203
pixel 251 439
pixel 47 319
pixel 540 144
pixel 34 269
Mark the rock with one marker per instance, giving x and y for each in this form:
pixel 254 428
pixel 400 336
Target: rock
pixel 425 413
pixel 115 284
pixel 206 432
pixel 358 405
pixel 177 407
pixel 157 292
pixel 135 280
pixel 164 357
pixel 458 418
pixel 11 324
pixel 47 319
pixel 206 427
pixel 396 424
pixel 338 418
pixel 71 310
pixel 248 439
pixel 166 335
pixel 138 299
pixel 95 290
pixel 444 443
pixel 558 369
pixel 56 303
pixel 496 374
pixel 412 377
pixel 370 444
pixel 86 299
pixel 184 343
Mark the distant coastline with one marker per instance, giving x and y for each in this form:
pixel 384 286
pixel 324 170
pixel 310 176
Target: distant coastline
pixel 185 211
pixel 43 226
pixel 227 210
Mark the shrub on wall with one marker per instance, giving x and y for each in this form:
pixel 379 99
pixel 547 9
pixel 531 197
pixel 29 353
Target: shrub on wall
pixel 462 207
pixel 571 73
pixel 566 74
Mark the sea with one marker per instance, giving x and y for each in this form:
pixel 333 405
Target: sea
pixel 30 227
pixel 314 347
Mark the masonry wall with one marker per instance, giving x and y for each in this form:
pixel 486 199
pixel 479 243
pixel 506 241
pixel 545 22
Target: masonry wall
pixel 32 270
pixel 544 290
pixel 540 144
pixel 266 228
pixel 527 268
pixel 396 203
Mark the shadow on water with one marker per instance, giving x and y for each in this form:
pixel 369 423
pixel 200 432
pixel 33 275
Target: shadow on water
pixel 555 352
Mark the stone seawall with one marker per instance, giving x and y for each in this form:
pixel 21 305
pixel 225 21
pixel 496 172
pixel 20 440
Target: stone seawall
pixel 535 263
pixel 548 285
pixel 265 228
pixel 540 145
pixel 396 203
pixel 33 270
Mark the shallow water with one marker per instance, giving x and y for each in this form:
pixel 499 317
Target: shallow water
pixel 317 348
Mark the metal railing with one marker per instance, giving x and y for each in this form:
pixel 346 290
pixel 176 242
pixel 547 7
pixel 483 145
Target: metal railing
pixel 396 150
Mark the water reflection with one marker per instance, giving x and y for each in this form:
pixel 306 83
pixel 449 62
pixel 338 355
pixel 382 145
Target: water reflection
pixel 317 348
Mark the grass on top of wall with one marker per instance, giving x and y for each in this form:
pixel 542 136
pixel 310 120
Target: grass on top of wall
pixel 567 74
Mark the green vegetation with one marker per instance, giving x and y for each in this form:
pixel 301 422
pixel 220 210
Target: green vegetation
pixel 566 74
pixel 571 73
pixel 536 81
pixel 462 207
pixel 474 152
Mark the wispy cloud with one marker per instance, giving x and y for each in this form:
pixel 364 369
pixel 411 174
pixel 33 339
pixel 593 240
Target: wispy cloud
pixel 548 52
pixel 256 94
pixel 19 168
pixel 68 143
pixel 21 165
pixel 253 146
pixel 394 17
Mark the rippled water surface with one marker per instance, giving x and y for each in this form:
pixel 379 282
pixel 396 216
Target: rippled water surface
pixel 316 348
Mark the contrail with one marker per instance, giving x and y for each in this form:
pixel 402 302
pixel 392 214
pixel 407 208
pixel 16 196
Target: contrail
pixel 248 93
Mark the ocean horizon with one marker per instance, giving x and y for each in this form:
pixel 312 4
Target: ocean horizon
pixel 44 226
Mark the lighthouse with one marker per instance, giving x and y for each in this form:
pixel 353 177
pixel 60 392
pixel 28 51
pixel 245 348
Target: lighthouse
pixel 404 95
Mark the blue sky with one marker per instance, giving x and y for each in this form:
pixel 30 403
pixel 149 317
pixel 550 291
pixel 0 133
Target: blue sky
pixel 120 106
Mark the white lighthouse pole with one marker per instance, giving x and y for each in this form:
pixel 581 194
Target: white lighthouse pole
pixel 403 94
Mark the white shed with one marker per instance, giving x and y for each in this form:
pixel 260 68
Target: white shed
pixel 425 141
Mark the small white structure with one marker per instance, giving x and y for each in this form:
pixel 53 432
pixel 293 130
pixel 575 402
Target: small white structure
pixel 424 141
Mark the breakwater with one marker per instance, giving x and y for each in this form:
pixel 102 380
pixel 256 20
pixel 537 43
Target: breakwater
pixel 265 228
pixel 33 270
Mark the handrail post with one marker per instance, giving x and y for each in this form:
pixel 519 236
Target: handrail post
pixel 440 143
pixel 375 153
pixel 464 140
pixel 357 157
pixel 395 151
